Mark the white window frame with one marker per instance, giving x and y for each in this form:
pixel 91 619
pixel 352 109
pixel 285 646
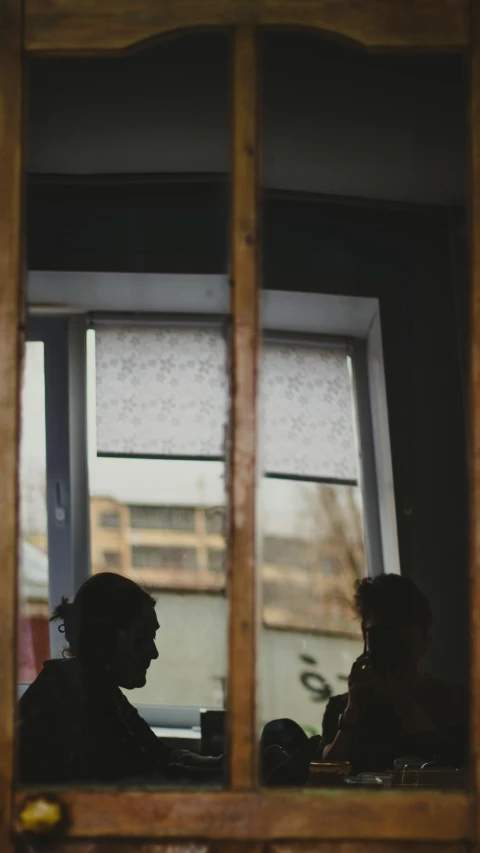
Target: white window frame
pixel 68 522
pixel 357 320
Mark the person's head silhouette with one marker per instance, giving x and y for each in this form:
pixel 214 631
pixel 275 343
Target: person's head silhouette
pixel 110 628
pixel 396 619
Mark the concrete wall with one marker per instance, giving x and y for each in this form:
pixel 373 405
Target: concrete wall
pixel 192 663
pixel 299 671
pixel 192 646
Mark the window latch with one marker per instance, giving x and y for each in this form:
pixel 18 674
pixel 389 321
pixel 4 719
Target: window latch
pixel 60 512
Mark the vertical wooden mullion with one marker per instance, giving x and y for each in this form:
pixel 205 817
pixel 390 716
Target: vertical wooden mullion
pixel 474 448
pixel 10 357
pixel 244 271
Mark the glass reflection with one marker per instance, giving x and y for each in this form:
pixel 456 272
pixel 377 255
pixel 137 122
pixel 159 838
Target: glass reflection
pixel 345 222
pixel 158 561
pixel 133 688
pixel 394 720
pixel 76 723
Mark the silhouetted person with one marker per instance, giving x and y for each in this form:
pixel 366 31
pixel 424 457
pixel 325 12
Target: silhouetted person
pixel 393 709
pixel 285 753
pixel 75 722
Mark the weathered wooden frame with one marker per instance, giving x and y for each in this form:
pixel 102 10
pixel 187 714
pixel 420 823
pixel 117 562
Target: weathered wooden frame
pixel 243 816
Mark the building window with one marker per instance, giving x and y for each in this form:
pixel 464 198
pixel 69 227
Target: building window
pixel 112 559
pixel 216 560
pixel 271 593
pixel 330 565
pixel 287 598
pixel 215 521
pixel 162 517
pixel 110 520
pixel 280 551
pixel 151 557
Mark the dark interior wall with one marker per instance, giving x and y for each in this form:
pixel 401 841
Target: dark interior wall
pixel 428 428
pixel 336 121
pixel 161 110
pixel 130 225
pixel 342 121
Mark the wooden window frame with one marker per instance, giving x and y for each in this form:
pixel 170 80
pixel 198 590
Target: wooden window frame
pixel 243 813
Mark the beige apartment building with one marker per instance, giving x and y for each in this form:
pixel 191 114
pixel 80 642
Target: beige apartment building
pixel 306 584
pixel 164 547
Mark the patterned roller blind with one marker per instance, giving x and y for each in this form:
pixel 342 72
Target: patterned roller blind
pixel 161 391
pixel 307 407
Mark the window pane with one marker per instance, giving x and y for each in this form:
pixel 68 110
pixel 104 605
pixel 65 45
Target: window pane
pixel 312 547
pixel 216 560
pixel 132 182
pixel 156 557
pixel 110 519
pixel 34 634
pixel 162 517
pixel 216 520
pixel 358 248
pixel 309 529
pixel 313 552
pixel 112 559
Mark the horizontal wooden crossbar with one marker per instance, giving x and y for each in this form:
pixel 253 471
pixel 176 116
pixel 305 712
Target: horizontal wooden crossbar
pixel 268 816
pixel 109 26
